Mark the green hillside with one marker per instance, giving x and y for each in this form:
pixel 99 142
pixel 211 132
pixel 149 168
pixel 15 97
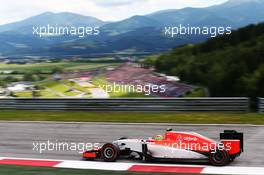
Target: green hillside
pixel 230 65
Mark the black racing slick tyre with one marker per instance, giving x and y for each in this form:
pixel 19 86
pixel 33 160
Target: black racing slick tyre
pixel 110 152
pixel 219 158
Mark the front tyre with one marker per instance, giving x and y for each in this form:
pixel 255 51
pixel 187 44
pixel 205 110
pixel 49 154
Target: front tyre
pixel 110 152
pixel 219 158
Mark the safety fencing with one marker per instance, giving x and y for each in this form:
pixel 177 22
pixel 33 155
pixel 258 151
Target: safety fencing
pixel 127 104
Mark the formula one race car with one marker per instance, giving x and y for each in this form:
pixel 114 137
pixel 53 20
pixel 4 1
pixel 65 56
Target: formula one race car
pixel 174 146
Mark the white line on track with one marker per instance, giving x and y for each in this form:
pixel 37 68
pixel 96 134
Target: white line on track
pixel 234 170
pixel 95 165
pixel 122 166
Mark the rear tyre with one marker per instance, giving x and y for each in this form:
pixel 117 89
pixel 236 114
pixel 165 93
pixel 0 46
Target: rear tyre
pixel 219 158
pixel 232 158
pixel 110 152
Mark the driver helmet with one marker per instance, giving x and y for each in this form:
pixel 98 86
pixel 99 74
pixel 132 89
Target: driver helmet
pixel 158 137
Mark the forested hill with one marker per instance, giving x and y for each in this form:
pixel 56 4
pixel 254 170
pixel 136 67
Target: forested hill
pixel 229 65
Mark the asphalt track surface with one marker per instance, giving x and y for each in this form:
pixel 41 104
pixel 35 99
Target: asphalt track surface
pixel 16 138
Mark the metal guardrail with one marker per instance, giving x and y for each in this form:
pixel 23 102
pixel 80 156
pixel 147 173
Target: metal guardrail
pixel 128 104
pixel 261 105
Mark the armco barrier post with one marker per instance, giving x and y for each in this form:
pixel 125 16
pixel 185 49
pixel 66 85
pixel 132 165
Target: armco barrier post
pixel 261 105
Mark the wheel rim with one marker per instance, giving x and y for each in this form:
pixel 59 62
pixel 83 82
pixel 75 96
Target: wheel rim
pixel 109 152
pixel 219 156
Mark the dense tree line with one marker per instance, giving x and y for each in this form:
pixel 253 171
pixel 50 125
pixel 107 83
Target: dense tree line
pixel 230 65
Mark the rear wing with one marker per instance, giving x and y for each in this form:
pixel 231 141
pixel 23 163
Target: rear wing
pixel 233 135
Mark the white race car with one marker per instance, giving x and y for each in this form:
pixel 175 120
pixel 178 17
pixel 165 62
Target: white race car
pixel 173 146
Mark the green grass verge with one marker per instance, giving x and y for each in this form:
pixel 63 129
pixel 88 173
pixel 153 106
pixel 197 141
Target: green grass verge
pixel 90 66
pixel 159 117
pixel 70 93
pixel 26 170
pixel 48 67
pixel 54 85
pixel 47 94
pixel 23 94
pixel 78 87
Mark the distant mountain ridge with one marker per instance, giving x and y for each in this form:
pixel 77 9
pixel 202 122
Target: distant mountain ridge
pixel 241 12
pixel 130 24
pixel 60 19
pixel 137 33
